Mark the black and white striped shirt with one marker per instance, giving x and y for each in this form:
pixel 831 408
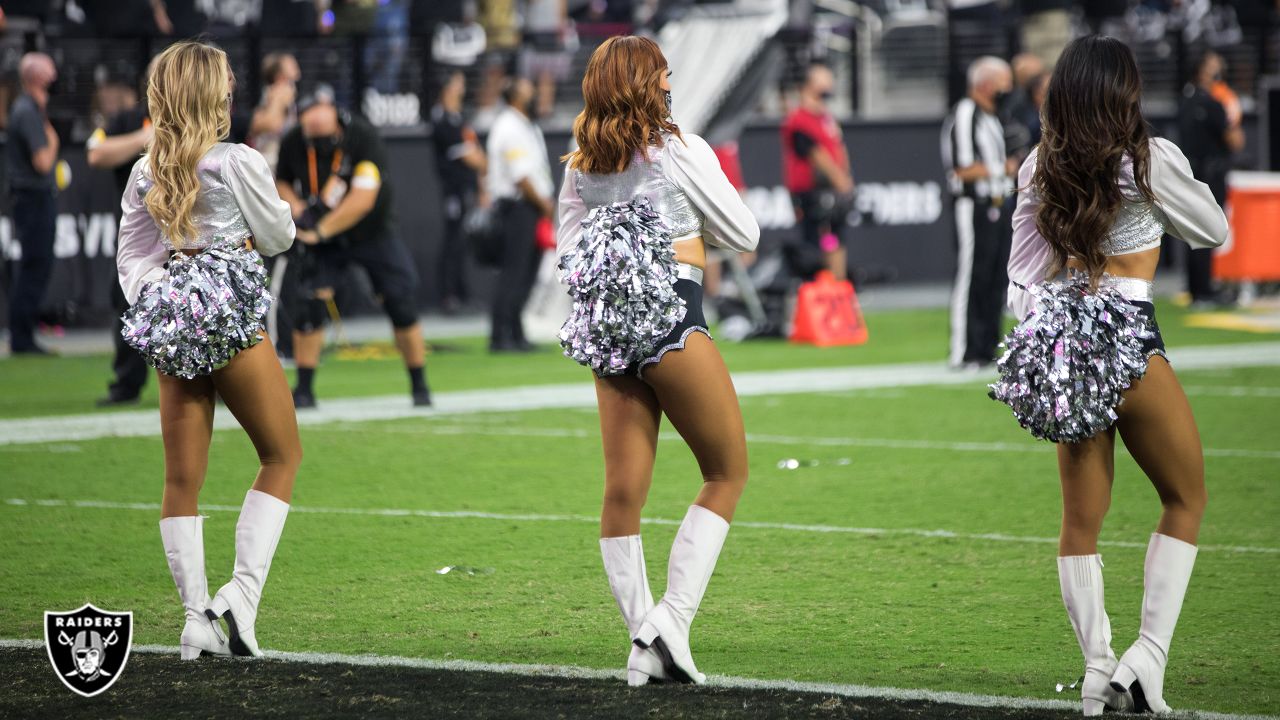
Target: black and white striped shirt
pixel 969 135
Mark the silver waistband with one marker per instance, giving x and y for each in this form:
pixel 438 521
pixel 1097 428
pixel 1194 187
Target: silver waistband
pixel 1131 288
pixel 685 271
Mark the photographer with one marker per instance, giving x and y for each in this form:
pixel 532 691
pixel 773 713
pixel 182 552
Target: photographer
pixel 330 173
pixel 816 171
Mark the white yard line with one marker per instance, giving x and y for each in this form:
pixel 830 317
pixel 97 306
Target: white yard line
pixel 538 517
pixel 766 439
pixel 146 423
pixel 720 681
pixel 1233 391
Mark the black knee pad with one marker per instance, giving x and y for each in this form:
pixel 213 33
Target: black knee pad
pixel 400 309
pixel 311 315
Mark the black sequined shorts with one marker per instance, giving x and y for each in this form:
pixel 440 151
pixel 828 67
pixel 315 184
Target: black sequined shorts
pixel 694 321
pixel 1153 345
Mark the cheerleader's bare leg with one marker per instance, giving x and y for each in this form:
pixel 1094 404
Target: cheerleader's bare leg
pixel 1158 428
pixel 254 388
pixel 186 426
pixel 696 394
pixel 1087 469
pixel 629 418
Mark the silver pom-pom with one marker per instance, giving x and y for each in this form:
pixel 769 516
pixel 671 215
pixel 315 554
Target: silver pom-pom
pixel 207 308
pixel 621 278
pixel 1066 367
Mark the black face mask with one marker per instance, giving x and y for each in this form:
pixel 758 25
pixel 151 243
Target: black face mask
pixel 826 95
pixel 326 145
pixel 1001 99
pixel 1217 77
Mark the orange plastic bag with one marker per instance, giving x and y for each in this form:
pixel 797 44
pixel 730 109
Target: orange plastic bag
pixel 827 313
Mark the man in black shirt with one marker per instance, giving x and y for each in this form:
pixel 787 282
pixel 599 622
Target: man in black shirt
pixel 31 154
pixel 459 162
pixel 330 173
pixel 117 147
pixel 1209 137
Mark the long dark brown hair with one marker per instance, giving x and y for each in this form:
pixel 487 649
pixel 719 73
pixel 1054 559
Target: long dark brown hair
pixel 624 106
pixel 1092 120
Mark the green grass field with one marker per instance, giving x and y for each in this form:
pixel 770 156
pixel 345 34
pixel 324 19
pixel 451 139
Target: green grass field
pixel 884 605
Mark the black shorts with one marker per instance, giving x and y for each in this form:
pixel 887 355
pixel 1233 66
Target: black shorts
pixel 386 259
pixel 1153 345
pixel 694 321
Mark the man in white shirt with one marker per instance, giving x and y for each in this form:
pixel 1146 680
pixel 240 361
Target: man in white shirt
pixel 520 183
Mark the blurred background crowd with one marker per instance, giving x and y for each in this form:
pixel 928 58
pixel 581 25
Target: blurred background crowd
pixel 891 58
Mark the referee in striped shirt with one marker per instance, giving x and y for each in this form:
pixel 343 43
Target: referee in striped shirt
pixel 981 179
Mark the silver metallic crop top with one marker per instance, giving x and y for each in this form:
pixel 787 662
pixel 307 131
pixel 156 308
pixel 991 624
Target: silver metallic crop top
pixel 683 181
pixel 216 214
pixel 237 199
pixel 1183 208
pixel 643 178
pixel 1139 226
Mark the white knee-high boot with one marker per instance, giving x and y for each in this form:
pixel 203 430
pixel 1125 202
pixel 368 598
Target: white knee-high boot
pixel 1141 671
pixel 629 580
pixel 257 533
pixel 183 539
pixel 693 558
pixel 1080 577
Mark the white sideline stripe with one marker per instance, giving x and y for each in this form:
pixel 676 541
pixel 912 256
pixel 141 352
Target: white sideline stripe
pixel 146 423
pixel 891 443
pixel 537 517
pixel 719 681
pixel 1233 391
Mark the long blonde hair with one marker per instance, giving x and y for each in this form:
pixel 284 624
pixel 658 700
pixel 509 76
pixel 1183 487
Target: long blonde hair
pixel 187 98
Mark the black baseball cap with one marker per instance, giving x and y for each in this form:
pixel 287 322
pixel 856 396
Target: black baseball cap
pixel 321 93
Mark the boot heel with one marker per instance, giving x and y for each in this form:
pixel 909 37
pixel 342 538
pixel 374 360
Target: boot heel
pixel 1123 678
pixel 1093 708
pixel 635 678
pixel 189 652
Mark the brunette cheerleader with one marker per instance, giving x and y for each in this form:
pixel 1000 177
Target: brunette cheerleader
pixel 1088 360
pixel 195 210
pixel 639 205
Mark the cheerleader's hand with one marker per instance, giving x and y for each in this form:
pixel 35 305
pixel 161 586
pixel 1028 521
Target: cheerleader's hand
pixel 308 237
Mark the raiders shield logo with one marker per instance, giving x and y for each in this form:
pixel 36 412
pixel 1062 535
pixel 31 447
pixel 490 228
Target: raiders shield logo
pixel 88 647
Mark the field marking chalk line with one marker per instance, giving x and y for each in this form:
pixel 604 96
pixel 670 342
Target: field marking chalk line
pixel 146 423
pixel 767 439
pixel 537 517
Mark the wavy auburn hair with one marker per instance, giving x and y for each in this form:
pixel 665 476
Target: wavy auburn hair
pixel 187 98
pixel 1092 120
pixel 624 106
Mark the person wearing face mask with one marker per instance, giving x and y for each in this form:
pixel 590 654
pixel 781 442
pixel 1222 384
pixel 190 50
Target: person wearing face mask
pixel 330 172
pixel 31 154
pixel 815 166
pixel 980 178
pixel 1210 133
pixel 519 181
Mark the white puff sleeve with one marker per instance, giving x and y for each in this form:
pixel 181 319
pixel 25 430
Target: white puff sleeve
pixel 570 214
pixel 1194 216
pixel 694 168
pixel 140 253
pixel 247 174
